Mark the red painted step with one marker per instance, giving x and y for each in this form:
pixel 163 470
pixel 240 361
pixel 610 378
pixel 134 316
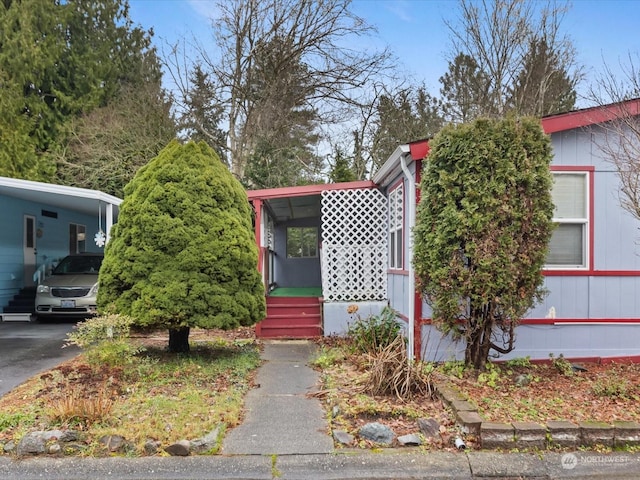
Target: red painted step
pixel 291 317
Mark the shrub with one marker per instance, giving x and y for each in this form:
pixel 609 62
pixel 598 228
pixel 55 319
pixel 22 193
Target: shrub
pixel 374 332
pixel 183 253
pixel 561 364
pixel 612 387
pixel 106 340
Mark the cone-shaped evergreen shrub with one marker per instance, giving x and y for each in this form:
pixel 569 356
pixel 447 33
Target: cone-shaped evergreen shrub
pixel 183 252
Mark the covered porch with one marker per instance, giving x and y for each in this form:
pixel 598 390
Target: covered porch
pixel 321 247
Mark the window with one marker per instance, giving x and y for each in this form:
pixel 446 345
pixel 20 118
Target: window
pixel 77 238
pixel 302 242
pixel 396 217
pixel 569 244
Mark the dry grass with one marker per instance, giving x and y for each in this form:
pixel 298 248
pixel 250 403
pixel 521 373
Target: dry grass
pixel 78 409
pixel 391 373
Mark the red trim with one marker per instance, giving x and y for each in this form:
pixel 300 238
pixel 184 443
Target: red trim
pixel 555 321
pixel 590 116
pixel 591 273
pixel 419 149
pixel 572 168
pixel 417 337
pixel 596 360
pixel 304 190
pixel 395 271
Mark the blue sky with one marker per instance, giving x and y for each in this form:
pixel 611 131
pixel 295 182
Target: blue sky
pixel 415 30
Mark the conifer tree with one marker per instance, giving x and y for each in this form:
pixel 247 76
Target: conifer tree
pixel 183 254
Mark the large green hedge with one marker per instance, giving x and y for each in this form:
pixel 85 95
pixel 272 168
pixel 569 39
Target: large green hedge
pixel 183 252
pixel 482 230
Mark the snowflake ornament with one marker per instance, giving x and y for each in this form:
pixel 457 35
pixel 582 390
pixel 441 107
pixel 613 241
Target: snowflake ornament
pixel 100 238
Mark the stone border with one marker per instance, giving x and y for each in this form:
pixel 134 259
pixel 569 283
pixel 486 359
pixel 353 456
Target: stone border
pixel 530 434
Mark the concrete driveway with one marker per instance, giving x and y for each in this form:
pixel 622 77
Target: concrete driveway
pixel 27 349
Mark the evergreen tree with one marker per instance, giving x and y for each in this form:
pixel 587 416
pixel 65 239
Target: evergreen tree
pixel 465 90
pixel 341 171
pixel 203 113
pixel 543 86
pixel 65 59
pixel 406 116
pixel 183 253
pixel 482 229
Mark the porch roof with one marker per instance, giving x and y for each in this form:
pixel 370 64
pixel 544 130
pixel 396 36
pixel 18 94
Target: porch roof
pixel 289 203
pixel 75 199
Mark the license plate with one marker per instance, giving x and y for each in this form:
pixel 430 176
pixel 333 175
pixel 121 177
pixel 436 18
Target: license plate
pixel 68 303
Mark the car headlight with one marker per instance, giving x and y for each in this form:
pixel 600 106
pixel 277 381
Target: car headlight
pixel 94 290
pixel 43 288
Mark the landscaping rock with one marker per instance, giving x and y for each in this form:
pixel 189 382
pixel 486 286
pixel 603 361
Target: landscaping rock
pixel 9 447
pixel 69 436
pixel 335 411
pixel 563 433
pixel 497 435
pixel 206 443
pixel 596 433
pixel 377 432
pixel 179 449
pixel 626 433
pixel 151 447
pixel 523 380
pixel 114 443
pixel 343 437
pixel 32 443
pixel 529 434
pixel 429 427
pixel 462 406
pixel 54 449
pixel 410 440
pixel 469 422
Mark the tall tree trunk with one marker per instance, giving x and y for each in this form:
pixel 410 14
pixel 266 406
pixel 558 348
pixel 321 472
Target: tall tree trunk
pixel 179 340
pixel 479 341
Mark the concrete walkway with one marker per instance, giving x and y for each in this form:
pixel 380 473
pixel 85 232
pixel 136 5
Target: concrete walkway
pixel 280 419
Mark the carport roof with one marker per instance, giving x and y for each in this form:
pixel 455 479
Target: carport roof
pixel 76 199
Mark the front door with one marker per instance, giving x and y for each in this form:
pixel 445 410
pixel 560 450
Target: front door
pixel 29 249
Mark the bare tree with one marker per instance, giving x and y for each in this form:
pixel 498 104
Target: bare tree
pixel 617 96
pixel 277 58
pixel 518 48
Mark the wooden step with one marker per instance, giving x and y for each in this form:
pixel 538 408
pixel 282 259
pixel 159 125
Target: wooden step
pixel 291 317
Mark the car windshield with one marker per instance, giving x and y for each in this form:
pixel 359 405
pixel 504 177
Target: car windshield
pixel 79 264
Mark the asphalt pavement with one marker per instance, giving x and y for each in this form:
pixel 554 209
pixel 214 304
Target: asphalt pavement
pixel 29 348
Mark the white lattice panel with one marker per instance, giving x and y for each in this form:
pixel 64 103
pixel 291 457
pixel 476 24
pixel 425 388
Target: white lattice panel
pixel 354 243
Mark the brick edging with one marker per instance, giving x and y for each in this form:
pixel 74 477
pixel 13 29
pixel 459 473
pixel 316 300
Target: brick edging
pixel 561 433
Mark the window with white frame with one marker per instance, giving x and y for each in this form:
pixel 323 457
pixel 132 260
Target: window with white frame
pixel 396 217
pixel 569 246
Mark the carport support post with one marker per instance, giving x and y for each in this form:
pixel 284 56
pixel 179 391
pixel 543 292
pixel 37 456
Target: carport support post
pixel 108 219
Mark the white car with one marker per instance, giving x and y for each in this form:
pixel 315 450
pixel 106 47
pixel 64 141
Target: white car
pixel 71 289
